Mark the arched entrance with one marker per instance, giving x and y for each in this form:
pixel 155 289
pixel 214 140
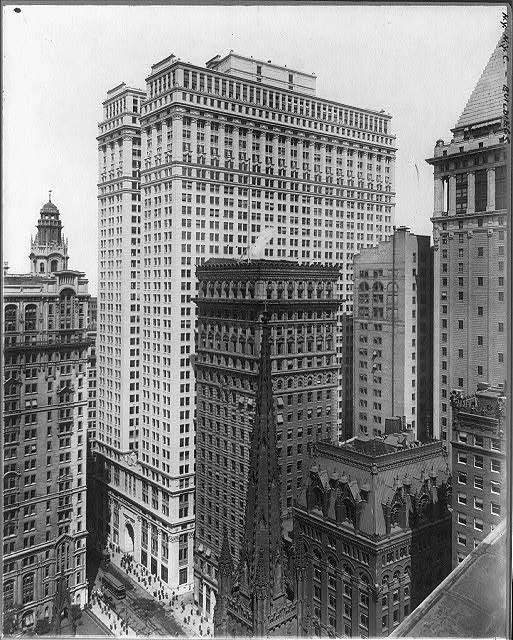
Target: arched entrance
pixel 129 538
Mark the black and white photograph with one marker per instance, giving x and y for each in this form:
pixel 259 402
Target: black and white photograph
pixel 256 320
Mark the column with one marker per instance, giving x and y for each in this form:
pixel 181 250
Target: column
pixel 323 161
pixel 452 195
pixel 490 199
pixel 164 145
pixel 438 196
pixel 471 192
pixel 235 146
pixel 249 150
pixel 324 592
pixel 208 133
pixel 221 132
pixel 300 143
pixel 340 599
pixel 275 153
pixel 287 153
pixel 355 608
pixel 126 162
pixel 194 136
pixel 177 125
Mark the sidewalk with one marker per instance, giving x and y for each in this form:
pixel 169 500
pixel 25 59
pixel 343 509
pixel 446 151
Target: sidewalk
pixel 180 606
pixel 110 619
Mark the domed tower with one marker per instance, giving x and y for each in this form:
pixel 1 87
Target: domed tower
pixel 49 249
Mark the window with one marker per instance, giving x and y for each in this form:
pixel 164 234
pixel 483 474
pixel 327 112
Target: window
pixel 495 508
pixel 28 588
pixel 495 487
pixel 364 620
pixel 478 462
pixel 478 441
pixel 478 524
pixel 182 576
pixel 462 539
pixel 478 482
pixel 479 341
pixel 480 281
pixel 480 252
pixel 462 498
pixel 479 370
pixel 462 519
pixel 462 458
pixel 496 466
pixel 462 477
pixel 478 503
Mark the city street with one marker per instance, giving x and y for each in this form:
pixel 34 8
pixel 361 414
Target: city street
pixel 142 611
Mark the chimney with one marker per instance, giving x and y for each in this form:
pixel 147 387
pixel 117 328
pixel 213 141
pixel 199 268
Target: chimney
pixel 393 425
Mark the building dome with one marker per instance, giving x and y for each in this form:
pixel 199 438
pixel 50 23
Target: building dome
pixel 49 207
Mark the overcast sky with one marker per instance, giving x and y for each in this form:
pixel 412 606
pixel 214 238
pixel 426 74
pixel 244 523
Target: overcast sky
pixel 418 63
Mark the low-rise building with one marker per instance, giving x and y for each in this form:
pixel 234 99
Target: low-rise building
pixel 372 534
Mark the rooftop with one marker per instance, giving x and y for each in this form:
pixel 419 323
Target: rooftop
pixel 486 101
pixel 261 263
pixel 470 602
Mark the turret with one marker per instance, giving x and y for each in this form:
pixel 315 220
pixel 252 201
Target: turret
pixel 49 249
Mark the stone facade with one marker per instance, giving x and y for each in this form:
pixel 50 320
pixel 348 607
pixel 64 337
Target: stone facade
pixel 303 315
pixel 479 467
pixel 252 600
pixel 45 428
pixel 372 534
pixel 470 244
pixel 393 335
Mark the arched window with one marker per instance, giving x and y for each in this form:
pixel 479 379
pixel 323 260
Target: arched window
pixel 395 514
pixel 28 588
pixel 8 593
pixel 10 317
pixel 41 267
pixel 423 510
pixel 30 317
pixel 66 308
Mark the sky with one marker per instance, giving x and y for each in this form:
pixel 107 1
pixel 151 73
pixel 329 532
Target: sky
pixel 418 63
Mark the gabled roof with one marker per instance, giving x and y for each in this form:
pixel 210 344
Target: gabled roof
pixel 486 101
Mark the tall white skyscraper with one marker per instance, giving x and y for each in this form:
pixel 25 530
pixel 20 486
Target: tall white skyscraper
pixel 232 152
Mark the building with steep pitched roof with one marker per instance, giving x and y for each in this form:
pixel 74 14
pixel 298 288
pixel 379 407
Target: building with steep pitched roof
pixel 255 602
pixel 470 248
pixel 372 534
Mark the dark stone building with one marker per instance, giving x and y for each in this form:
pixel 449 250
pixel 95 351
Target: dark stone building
pixel 479 466
pixel 303 315
pixel 253 601
pixel 372 534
